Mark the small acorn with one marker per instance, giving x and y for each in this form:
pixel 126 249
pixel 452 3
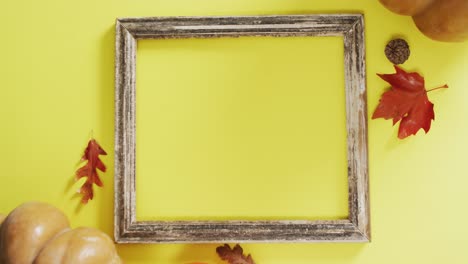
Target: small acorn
pixel 397 51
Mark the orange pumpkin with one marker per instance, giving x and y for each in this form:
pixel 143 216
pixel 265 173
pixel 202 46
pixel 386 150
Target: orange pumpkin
pixel 444 20
pixel 68 247
pixel 39 233
pixel 27 229
pixel 406 7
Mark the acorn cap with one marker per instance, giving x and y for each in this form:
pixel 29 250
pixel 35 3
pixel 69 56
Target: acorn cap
pixel 397 51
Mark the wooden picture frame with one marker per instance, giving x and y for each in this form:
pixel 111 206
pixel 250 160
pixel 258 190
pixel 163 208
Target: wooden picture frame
pixel 126 227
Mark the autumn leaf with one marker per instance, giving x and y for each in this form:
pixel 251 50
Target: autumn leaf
pixel 406 101
pixel 234 255
pixel 89 170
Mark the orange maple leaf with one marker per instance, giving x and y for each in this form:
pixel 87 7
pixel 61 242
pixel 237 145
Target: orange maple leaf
pixel 406 101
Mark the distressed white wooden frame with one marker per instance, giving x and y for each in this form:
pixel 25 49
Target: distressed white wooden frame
pixel 126 227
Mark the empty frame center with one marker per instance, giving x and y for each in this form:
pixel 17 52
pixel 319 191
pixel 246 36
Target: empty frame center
pixel 251 128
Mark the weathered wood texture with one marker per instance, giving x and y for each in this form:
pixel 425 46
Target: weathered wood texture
pixel 128 230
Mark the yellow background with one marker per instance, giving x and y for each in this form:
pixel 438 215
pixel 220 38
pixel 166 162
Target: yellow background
pixel 56 73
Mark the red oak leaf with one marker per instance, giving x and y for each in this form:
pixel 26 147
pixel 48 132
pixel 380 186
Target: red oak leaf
pixel 234 255
pixel 406 101
pixel 89 170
